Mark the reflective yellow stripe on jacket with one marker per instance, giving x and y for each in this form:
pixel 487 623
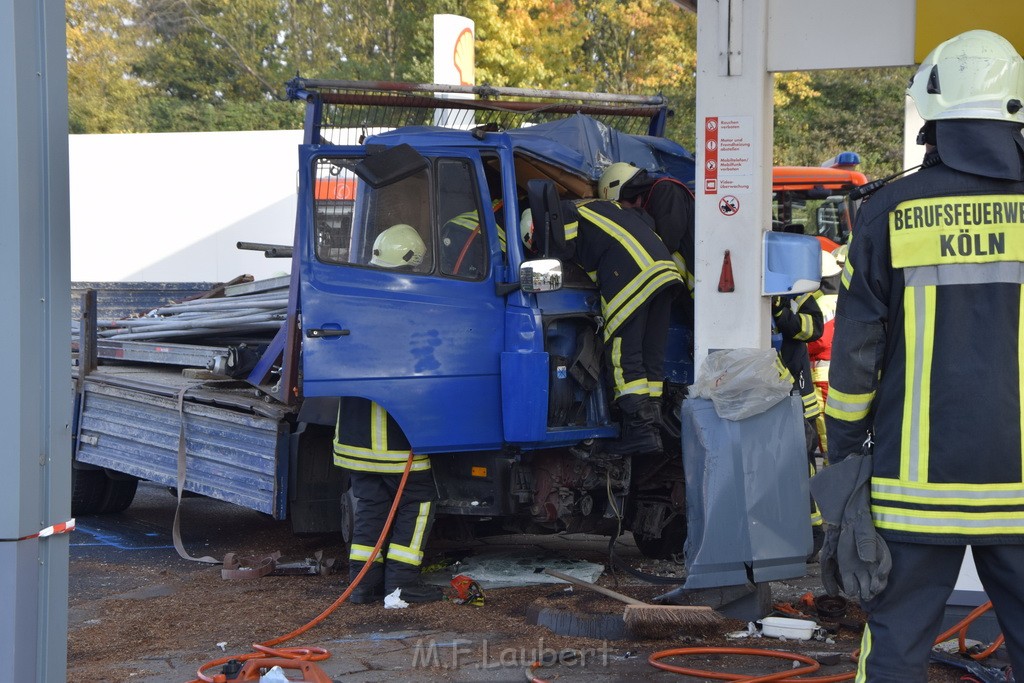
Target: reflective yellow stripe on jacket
pixel 376 457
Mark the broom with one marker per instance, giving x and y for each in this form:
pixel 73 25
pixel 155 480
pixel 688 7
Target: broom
pixel 643 618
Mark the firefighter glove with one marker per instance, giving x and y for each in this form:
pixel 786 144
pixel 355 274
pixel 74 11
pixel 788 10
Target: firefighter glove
pixel 862 555
pixel 854 558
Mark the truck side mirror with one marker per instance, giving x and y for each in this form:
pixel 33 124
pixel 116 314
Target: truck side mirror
pixel 540 275
pixel 548 221
pixel 389 165
pixel 792 264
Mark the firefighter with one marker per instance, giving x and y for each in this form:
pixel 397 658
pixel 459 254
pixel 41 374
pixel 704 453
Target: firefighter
pixel 636 278
pixel 371 446
pixel 799 320
pixel 669 203
pixel 927 358
pixel 820 349
pixel 462 245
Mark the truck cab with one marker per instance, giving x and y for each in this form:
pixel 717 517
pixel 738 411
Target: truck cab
pixel 502 384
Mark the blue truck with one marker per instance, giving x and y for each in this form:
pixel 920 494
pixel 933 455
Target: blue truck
pixel 491 362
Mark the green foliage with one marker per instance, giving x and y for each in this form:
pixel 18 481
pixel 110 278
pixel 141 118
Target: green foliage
pixel 167 65
pixel 101 45
pixel 166 115
pixel 858 109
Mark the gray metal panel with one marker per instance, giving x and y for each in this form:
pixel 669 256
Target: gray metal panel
pixel 18 619
pixel 747 495
pixel 230 455
pixel 35 490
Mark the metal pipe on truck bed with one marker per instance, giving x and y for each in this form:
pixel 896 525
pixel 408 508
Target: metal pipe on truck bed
pixel 212 323
pixel 272 325
pixel 267 303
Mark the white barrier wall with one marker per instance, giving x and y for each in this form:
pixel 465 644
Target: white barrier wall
pixel 172 206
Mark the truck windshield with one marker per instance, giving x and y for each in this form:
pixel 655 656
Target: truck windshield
pixel 830 217
pixel 426 223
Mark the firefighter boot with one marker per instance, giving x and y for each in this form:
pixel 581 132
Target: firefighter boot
pixel 371 588
pixel 640 431
pixel 407 577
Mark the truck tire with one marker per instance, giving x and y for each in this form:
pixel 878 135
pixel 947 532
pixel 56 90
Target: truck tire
pixel 119 494
pixel 669 544
pixel 88 490
pixel 315 485
pixel 348 515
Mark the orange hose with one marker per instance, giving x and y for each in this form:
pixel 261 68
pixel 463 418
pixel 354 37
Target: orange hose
pixel 465 248
pixel 789 676
pixel 313 654
pixel 781 676
pixel 961 628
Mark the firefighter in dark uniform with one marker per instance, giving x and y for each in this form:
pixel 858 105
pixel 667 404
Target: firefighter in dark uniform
pixel 799 320
pixel 636 278
pixel 372 447
pixel 928 357
pixel 668 201
pixel 462 245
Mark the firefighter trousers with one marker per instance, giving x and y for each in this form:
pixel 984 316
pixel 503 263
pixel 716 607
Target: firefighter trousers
pixel 402 552
pixel 637 348
pixel 906 617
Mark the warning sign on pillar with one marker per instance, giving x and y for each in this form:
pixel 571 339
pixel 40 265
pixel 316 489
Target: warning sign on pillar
pixel 728 162
pixel 711 155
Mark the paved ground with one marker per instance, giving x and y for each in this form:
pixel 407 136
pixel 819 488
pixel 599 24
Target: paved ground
pixel 140 613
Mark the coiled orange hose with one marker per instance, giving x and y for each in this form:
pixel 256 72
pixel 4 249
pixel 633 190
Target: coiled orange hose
pixel 305 653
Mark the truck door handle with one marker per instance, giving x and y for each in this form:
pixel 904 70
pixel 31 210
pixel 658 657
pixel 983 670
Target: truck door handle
pixel 317 332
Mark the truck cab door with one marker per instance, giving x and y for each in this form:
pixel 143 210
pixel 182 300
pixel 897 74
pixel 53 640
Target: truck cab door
pixel 419 334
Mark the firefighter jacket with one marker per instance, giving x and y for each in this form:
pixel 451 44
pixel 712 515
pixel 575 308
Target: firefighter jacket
pixel 368 439
pixel 462 245
pixel 928 353
pixel 621 252
pixel 670 204
pixel 799 320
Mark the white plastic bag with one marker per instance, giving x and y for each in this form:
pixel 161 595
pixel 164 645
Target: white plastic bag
pixel 394 600
pixel 741 382
pixel 274 675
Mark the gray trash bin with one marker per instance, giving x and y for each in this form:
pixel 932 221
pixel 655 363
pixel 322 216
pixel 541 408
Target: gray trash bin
pixel 747 495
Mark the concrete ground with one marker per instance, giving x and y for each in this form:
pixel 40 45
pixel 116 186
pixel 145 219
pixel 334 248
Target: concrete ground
pixel 140 613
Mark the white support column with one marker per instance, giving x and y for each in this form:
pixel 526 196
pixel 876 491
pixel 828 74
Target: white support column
pixel 35 405
pixel 733 184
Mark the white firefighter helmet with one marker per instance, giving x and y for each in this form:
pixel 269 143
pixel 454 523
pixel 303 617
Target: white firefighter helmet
pixel 829 265
pixel 399 245
pixel 613 178
pixel 975 75
pixel 526 228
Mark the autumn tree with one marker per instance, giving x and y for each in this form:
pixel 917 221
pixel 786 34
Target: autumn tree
pixel 858 109
pixel 155 65
pixel 103 97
